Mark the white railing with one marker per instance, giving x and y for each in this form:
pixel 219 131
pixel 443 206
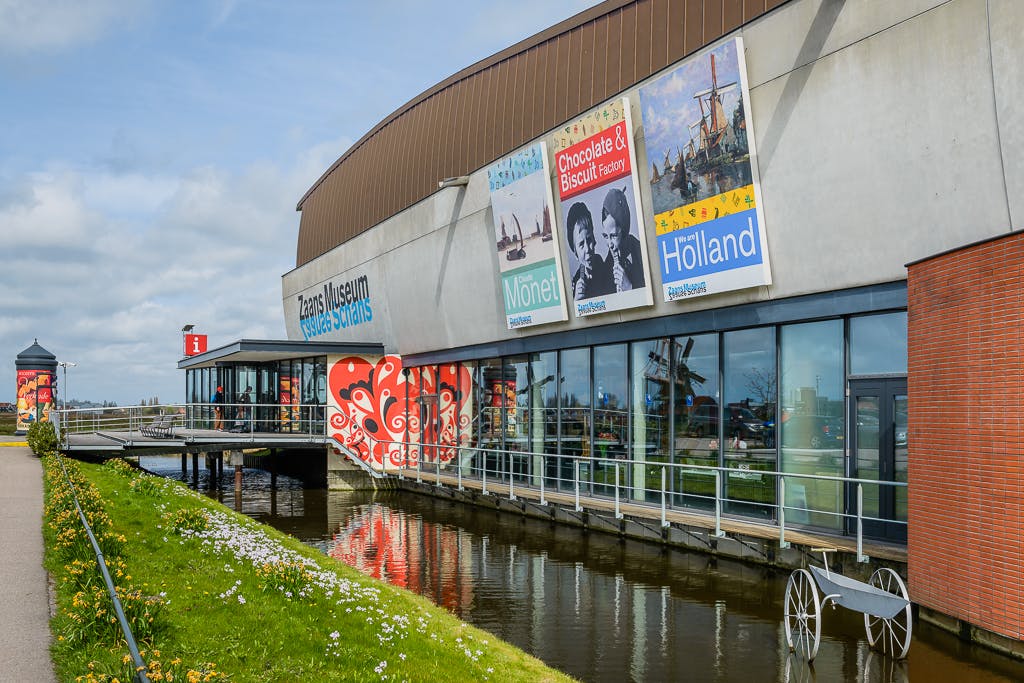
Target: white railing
pixel 766 496
pixel 240 418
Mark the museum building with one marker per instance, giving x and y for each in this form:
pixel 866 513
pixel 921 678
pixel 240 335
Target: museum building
pixel 761 236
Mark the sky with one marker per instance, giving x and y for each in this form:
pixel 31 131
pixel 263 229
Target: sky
pixel 152 154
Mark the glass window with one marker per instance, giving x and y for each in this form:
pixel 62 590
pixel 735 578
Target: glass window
pixel 492 401
pixel 695 386
pixel 750 395
pixel 651 368
pixel 878 344
pixel 517 412
pixel 611 423
pixel 811 430
pixel 543 392
pixel 574 407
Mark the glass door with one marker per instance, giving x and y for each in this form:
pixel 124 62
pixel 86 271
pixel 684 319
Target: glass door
pixel 878 451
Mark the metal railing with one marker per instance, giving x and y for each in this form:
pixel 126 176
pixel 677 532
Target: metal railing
pixel 122 620
pixel 239 418
pixel 733 491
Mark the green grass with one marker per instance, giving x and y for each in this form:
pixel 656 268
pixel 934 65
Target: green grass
pixel 8 423
pixel 219 605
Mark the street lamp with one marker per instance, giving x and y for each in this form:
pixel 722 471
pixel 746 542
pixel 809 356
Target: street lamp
pixel 64 393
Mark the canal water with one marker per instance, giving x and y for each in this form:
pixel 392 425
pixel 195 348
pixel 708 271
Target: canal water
pixel 599 608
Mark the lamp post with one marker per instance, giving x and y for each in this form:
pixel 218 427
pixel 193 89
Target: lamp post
pixel 64 390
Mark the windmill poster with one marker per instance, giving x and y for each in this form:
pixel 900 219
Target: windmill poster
pixel 531 279
pixel 705 192
pixel 600 196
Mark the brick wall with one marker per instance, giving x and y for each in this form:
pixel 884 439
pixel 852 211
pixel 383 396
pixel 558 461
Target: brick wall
pixel 966 449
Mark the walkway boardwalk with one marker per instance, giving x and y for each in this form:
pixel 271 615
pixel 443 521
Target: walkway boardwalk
pixel 24 593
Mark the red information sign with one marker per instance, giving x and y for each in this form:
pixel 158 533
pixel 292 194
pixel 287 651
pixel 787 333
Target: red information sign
pixel 195 344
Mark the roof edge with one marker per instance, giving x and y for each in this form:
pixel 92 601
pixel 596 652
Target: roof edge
pixel 564 26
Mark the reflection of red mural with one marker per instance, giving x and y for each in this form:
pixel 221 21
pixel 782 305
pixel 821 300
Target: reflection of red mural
pixel 369 398
pixel 405 551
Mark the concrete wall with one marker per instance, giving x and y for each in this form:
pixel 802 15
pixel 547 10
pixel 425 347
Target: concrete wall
pixel 966 387
pixel 885 133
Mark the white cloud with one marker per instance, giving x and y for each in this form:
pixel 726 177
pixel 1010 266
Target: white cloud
pixel 50 26
pixel 110 288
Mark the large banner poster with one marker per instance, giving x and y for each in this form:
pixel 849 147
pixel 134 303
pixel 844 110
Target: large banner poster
pixel 604 236
pixel 705 191
pixel 531 279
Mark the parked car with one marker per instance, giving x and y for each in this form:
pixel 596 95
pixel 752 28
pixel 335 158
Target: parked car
pixel 812 431
pixel 740 422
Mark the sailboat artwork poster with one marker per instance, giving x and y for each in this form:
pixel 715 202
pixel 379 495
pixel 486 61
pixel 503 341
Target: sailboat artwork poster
pixel 705 191
pixel 528 256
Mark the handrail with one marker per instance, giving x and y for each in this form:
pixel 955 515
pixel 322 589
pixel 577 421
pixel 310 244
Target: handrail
pixel 133 648
pixel 720 475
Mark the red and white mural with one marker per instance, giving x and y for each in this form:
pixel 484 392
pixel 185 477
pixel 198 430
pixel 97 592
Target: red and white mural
pixel 383 414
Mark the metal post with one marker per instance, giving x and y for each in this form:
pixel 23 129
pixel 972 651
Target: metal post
pixel 664 521
pixel 618 513
pixel 437 468
pixel 718 504
pixel 419 464
pixel 576 478
pixel 458 454
pixel 484 470
pixel 543 470
pixel 511 480
pixel 861 557
pixel 783 543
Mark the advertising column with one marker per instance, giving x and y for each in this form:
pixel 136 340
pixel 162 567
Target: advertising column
pixel 36 367
pixel 603 233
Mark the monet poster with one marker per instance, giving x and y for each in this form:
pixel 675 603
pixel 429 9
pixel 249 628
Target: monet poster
pixel 531 279
pixel 602 230
pixel 705 192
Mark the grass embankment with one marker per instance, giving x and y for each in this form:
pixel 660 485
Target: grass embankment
pixel 206 585
pixel 8 423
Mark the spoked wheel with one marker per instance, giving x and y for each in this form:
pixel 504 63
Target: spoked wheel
pixel 890 636
pixel 803 614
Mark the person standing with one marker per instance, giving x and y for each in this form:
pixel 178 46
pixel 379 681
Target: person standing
pixel 218 408
pixel 244 401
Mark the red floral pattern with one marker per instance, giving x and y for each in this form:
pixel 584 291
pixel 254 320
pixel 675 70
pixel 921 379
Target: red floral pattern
pixel 368 397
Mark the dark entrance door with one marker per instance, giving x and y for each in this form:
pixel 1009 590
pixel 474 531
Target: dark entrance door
pixel 878 451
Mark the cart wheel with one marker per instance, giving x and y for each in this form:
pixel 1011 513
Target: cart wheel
pixel 890 636
pixel 803 614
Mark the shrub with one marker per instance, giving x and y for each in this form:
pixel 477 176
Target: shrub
pixel 42 438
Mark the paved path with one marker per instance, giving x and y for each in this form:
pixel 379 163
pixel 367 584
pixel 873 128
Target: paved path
pixel 24 596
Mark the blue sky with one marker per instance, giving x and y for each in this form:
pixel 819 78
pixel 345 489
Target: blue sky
pixel 152 153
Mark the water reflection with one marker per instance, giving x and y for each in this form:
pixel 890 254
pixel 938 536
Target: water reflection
pixel 595 607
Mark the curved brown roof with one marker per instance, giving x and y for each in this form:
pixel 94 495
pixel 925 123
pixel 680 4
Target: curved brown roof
pixel 502 102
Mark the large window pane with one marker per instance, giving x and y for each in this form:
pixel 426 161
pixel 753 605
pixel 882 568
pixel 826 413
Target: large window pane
pixel 517 415
pixel 878 344
pixel 810 431
pixel 651 389
pixel 750 386
pixel 492 391
pixel 611 423
pixel 696 398
pixel 543 391
pixel 574 406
